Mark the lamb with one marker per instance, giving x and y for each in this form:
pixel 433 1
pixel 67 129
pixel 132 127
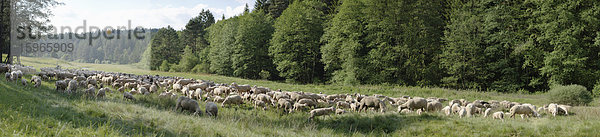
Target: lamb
pixel 415 103
pixel 197 94
pixel 553 108
pixel 211 109
pixel 487 112
pixel 447 110
pixel 233 99
pixel 498 115
pixel 321 112
pixel 371 102
pixel 299 106
pixel 342 104
pixel 61 85
pixel 353 107
pixel 16 75
pixel 218 99
pixel 285 104
pixel 522 109
pixel 455 108
pixel 102 92
pixel 7 76
pixel 185 103
pixel 128 95
pixel 434 106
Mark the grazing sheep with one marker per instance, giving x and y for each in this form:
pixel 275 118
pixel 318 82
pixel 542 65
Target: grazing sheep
pixel 260 104
pixel 37 82
pixel 121 89
pixel 340 111
pixel 564 108
pixel 102 92
pixel 415 103
pixel 128 95
pixel 285 104
pixel 373 102
pixel 7 76
pixel 299 106
pixel 553 109
pixel 197 94
pixel 470 109
pixel 342 104
pixel 487 112
pixel 153 89
pixel 233 99
pixel 320 112
pixel 522 109
pixel 23 82
pixel 142 90
pixel 353 107
pixel 185 103
pixel 241 88
pixel 211 109
pixel 447 110
pixel 90 92
pixel 61 85
pixel 498 115
pixel 308 102
pixel 259 90
pixel 218 99
pixel 462 113
pixel 434 106
pixel 455 108
pixel 72 86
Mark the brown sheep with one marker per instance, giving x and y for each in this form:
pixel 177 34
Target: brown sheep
pixel 372 102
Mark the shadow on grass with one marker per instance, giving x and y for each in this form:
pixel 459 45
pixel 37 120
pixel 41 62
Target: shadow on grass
pixel 372 124
pixel 37 103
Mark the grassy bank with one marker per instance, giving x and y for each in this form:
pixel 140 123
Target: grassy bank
pixel 31 111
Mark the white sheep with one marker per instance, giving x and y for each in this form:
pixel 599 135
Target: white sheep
pixel 487 112
pixel 522 109
pixel 321 112
pixel 455 108
pixel 447 110
pixel 463 112
pixel 233 99
pixel 470 108
pixel 498 115
pixel 553 109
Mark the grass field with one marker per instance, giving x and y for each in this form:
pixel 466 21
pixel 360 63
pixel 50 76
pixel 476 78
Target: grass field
pixel 28 111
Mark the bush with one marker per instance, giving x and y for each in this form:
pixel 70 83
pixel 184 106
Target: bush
pixel 570 95
pixel 596 90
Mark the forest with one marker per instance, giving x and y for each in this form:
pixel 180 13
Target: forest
pixel 488 45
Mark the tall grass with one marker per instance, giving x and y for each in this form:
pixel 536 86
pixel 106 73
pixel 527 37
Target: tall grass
pixel 28 111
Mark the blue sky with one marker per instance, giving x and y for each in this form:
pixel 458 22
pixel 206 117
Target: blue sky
pixel 145 13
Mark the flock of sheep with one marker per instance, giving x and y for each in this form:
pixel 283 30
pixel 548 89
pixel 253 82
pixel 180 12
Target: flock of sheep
pixel 189 91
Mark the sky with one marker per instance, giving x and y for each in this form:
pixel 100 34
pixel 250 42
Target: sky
pixel 144 13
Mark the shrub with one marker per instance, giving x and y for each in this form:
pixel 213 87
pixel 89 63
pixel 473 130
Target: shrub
pixel 596 90
pixel 570 95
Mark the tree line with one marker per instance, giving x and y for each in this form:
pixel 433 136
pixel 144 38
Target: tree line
pixel 506 46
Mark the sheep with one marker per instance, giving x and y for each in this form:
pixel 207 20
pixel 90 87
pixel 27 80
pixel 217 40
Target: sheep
pixel 23 82
pixel 16 75
pixel 487 112
pixel 233 99
pixel 218 99
pixel 320 112
pixel 455 108
pixel 498 115
pixel 342 104
pixel 299 106
pixel 553 109
pixel 128 95
pixel 153 89
pixel 185 103
pixel 462 113
pixel 260 104
pixel 7 76
pixel 434 106
pixel 405 111
pixel 285 104
pixel 353 107
pixel 142 90
pixel 371 102
pixel 211 109
pixel 37 82
pixel 102 92
pixel 340 111
pixel 121 89
pixel 415 103
pixel 90 92
pixel 447 110
pixel 197 94
pixel 308 102
pixel 259 90
pixel 72 87
pixel 241 88
pixel 470 109
pixel 564 108
pixel 522 109
pixel 61 85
